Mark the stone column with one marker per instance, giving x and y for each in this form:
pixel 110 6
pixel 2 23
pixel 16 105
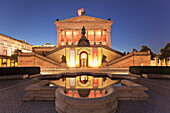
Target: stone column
pixel 79 33
pixel 87 33
pixel 72 36
pixel 64 36
pixel 101 36
pixel 58 37
pixel 109 36
pixel 94 93
pixel 94 37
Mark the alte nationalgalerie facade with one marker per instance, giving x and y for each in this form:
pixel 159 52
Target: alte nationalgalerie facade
pixel 82 47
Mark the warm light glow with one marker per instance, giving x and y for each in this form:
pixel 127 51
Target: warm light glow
pixel 79 11
pixel 72 58
pixel 90 32
pixel 83 56
pixel 68 33
pixel 91 35
pixel 98 32
pixel 76 35
pixel 62 36
pixel 95 55
pixel 68 36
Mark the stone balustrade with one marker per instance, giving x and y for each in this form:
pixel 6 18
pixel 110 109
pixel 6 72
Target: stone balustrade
pixel 156 76
pixel 7 77
pixel 40 91
pixel 131 91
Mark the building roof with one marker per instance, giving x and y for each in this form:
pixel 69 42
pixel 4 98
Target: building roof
pixel 83 18
pixel 21 41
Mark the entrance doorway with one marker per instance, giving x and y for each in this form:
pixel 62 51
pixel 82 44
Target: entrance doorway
pixel 83 59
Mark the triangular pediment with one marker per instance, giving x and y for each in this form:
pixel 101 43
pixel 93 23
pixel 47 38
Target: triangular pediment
pixel 84 19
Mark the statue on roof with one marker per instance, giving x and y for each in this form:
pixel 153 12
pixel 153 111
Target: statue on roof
pixel 83 32
pixel 83 42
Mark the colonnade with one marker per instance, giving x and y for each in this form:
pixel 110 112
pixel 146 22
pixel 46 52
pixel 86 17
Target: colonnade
pixel 94 32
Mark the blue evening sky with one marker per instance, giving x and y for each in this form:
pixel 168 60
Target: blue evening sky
pixel 136 22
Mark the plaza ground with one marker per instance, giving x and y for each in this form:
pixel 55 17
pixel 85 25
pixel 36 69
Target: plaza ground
pixel 12 95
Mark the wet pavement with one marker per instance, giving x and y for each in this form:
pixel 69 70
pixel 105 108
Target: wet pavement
pixel 12 95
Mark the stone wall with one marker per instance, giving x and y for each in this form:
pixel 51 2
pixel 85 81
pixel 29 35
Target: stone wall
pixel 105 104
pixel 33 59
pixel 132 59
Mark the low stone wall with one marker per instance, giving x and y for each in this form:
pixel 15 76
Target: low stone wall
pixel 40 91
pixel 7 77
pixel 158 76
pixel 131 91
pixel 105 104
pixel 122 76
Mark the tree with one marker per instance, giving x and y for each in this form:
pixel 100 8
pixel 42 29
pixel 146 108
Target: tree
pixel 15 55
pixel 164 55
pixel 146 49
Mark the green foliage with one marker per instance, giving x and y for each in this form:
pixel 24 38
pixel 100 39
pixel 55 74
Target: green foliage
pixel 19 70
pixel 149 70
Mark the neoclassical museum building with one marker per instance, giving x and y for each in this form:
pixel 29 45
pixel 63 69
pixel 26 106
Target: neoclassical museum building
pixel 82 42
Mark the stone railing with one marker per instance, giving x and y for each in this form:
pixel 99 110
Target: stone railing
pixel 6 77
pixel 131 91
pixel 106 104
pixel 40 91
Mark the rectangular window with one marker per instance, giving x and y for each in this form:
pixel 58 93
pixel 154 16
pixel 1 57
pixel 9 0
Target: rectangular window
pixel 72 58
pixel 5 43
pixel 5 52
pixel 95 55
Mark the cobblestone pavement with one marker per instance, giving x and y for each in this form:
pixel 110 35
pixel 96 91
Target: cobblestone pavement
pixel 12 94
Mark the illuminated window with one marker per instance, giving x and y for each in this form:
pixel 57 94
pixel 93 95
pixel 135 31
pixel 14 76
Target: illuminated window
pixel 76 36
pixel 12 45
pixel 5 43
pixel 62 36
pixel 68 36
pixel 90 35
pixel 98 36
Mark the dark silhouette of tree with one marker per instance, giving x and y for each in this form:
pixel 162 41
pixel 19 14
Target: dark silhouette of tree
pixel 164 55
pixel 15 55
pixel 145 49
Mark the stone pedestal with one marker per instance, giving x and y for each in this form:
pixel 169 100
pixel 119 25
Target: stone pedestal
pixel 63 64
pixel 104 64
